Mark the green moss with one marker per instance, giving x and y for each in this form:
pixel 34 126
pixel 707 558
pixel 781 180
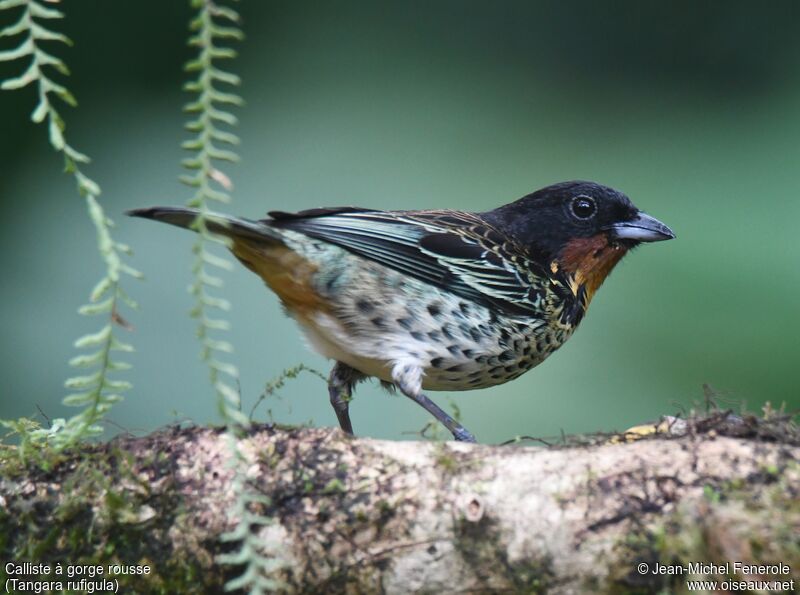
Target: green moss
pixel 445 460
pixel 16 461
pixel 92 522
pixel 450 461
pixel 738 521
pixel 711 494
pixel 334 486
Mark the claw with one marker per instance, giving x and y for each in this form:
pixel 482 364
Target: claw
pixel 463 435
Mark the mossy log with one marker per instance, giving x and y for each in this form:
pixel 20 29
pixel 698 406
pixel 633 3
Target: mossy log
pixel 370 516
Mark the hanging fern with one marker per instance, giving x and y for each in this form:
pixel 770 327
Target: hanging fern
pixel 209 124
pixel 95 391
pixel 211 184
pixel 261 557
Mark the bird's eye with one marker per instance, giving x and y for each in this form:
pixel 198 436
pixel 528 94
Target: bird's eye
pixel 583 207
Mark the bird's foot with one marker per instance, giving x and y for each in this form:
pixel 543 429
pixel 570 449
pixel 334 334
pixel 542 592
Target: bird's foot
pixel 461 434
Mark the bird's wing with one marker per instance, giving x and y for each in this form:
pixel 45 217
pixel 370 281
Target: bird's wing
pixel 453 250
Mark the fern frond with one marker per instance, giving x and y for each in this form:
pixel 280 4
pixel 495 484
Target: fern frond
pixel 261 556
pixel 98 390
pixel 211 25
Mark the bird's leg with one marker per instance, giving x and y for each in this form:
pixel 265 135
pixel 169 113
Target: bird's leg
pixel 408 378
pixel 459 432
pixel 340 388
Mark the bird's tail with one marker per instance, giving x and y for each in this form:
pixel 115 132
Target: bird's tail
pixel 235 228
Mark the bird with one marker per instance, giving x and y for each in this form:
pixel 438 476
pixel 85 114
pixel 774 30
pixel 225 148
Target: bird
pixel 436 300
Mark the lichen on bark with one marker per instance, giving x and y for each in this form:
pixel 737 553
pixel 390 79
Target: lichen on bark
pixel 355 515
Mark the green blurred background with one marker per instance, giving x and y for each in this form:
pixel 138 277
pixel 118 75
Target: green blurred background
pixel 691 108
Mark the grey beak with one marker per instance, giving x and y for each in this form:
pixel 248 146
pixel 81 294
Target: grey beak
pixel 642 228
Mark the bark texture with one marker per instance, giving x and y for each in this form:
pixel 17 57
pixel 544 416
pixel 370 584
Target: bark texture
pixel 363 516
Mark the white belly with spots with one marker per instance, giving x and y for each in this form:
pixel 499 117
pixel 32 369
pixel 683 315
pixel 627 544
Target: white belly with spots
pixel 397 329
pixel 325 336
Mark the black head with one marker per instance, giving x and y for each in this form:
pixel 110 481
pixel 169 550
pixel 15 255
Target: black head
pixel 548 220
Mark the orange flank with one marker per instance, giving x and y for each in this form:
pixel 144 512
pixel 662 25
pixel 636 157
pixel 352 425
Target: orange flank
pixel 285 272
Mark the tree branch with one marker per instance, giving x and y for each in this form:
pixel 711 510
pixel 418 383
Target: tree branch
pixel 358 515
